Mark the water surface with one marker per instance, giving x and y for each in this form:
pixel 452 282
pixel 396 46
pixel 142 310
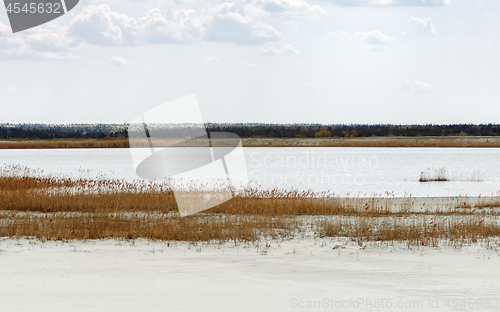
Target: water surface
pixel 345 171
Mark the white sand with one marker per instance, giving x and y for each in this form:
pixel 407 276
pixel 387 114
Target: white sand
pixel 111 275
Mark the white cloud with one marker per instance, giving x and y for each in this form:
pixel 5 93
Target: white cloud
pixel 11 89
pixel 417 87
pixel 228 23
pixel 290 8
pixel 287 49
pixel 270 51
pixel 224 22
pixel 36 43
pixel 211 59
pixel 385 3
pixel 117 60
pixel 373 38
pixel 423 23
pixel 240 22
pixel 4 29
pixel 100 26
pixel 182 26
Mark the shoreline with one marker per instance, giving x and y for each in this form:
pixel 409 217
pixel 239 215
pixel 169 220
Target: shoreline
pixel 416 142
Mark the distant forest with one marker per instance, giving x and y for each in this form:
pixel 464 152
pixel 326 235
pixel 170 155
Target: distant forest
pixel 247 130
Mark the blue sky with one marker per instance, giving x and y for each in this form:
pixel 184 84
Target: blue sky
pixel 330 61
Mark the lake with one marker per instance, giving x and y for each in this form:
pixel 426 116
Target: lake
pixel 345 171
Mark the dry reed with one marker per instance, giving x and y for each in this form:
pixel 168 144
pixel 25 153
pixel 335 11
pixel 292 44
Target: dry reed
pixel 427 231
pixel 493 142
pixel 48 207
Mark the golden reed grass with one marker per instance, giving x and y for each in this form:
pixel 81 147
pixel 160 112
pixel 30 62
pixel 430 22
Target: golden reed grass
pixel 61 226
pixel 425 231
pixel 267 142
pixel 49 207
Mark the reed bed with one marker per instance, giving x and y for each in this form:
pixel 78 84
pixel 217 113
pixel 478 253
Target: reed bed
pixel 434 175
pixel 426 231
pixel 267 142
pixel 49 207
pixel 60 226
pixel 442 175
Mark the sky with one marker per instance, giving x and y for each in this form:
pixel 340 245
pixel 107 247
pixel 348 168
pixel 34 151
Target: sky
pixel 271 61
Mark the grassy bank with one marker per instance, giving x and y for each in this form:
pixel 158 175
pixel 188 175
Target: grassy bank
pixel 62 143
pixel 62 209
pixel 487 142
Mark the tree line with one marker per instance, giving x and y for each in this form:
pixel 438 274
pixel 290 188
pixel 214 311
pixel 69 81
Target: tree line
pixel 245 130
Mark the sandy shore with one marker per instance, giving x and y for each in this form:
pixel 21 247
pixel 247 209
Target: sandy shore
pixel 296 275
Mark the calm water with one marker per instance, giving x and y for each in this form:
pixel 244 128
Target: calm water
pixel 346 171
